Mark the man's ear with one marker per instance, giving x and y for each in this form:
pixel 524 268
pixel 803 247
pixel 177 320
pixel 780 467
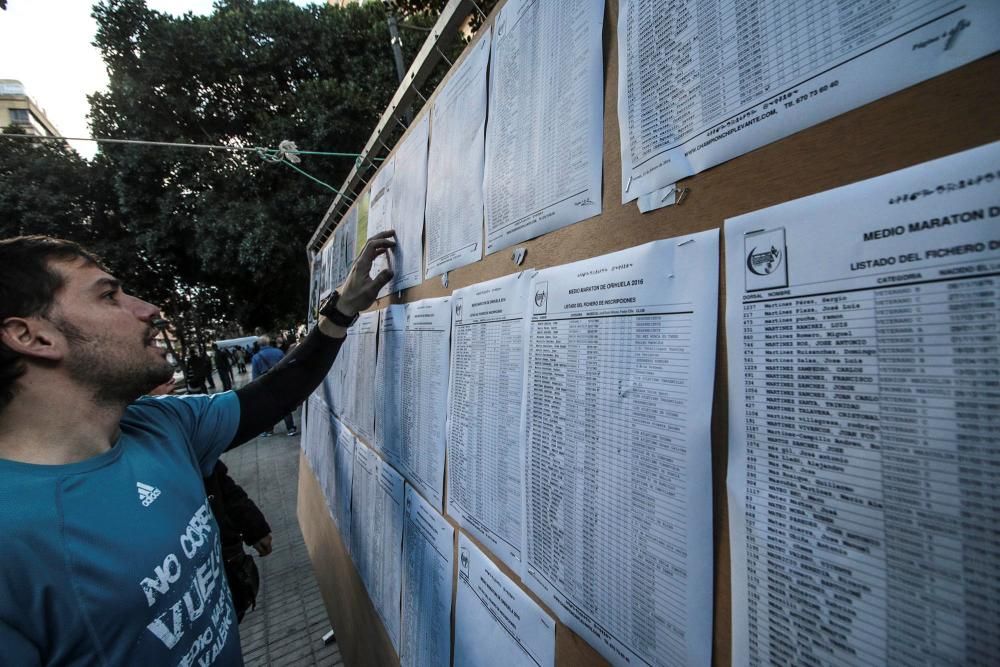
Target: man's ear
pixel 31 337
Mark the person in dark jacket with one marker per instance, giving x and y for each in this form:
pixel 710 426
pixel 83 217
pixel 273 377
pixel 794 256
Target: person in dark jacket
pixel 266 359
pixel 207 370
pixel 195 372
pixel 241 359
pixel 240 522
pixel 224 366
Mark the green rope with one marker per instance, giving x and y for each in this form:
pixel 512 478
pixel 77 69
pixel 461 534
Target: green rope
pixel 276 156
pixel 173 144
pixel 313 178
pixel 354 155
pixel 273 155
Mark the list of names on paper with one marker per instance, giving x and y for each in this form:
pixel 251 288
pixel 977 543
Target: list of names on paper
pixel 864 359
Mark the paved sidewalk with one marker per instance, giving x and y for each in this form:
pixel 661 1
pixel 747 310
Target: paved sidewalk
pixel 288 625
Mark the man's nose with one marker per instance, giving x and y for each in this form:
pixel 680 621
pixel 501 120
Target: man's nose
pixel 146 311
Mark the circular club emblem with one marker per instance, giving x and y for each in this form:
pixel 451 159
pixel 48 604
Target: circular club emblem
pixel 764 263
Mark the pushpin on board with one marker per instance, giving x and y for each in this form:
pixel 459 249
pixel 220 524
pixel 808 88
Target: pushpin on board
pixel 518 255
pixel 444 279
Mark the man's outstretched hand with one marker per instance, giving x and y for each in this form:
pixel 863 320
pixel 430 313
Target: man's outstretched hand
pixel 359 290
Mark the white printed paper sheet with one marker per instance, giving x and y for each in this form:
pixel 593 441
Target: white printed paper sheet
pixel 701 86
pixel 377 534
pixel 485 458
pixel 317 445
pixel 428 571
pixel 350 383
pixel 864 402
pixel 455 162
pixel 398 203
pixel 618 485
pixel 496 623
pixel 388 414
pixel 412 392
pixel 344 472
pixel 544 141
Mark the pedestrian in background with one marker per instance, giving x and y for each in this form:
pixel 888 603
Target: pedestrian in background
pixel 266 359
pixel 224 366
pixel 195 371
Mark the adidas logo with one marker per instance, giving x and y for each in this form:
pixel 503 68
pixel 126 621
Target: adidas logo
pixel 147 493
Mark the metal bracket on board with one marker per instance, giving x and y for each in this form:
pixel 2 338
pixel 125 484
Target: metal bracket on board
pixel 680 194
pixel 444 279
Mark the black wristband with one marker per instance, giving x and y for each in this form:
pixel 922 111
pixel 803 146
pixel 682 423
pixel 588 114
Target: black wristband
pixel 330 312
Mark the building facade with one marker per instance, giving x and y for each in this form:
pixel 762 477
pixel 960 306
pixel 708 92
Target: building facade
pixel 19 110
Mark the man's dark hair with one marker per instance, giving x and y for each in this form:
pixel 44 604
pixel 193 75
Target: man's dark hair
pixel 28 287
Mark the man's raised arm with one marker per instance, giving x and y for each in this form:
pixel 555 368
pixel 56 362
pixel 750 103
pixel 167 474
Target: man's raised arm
pixel 276 393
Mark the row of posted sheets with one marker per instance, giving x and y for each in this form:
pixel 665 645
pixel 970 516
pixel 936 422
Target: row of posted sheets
pixel 696 88
pixel 864 365
pixel 701 85
pixel 864 382
pixel 578 436
pixel 332 264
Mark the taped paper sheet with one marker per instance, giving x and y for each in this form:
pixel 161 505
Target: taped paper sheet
pixel 428 570
pixel 485 458
pixel 496 623
pixel 618 395
pixel 544 139
pixel 702 85
pixel 401 186
pixel 350 383
pixel 412 392
pixel 864 403
pixel 455 166
pixel 377 534
pixel 344 471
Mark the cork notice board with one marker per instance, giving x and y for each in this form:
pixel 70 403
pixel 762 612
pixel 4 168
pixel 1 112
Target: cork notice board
pixel 944 115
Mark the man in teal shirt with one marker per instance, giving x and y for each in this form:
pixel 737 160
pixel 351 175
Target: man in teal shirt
pixel 111 554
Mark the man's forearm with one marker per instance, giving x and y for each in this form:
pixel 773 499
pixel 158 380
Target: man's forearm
pixel 263 402
pixel 266 400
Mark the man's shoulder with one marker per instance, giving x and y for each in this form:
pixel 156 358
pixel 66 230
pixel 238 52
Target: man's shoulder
pixel 177 409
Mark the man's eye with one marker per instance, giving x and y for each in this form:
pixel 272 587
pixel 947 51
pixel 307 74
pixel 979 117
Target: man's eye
pixel 110 295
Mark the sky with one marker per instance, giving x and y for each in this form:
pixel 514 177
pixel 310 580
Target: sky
pixel 46 45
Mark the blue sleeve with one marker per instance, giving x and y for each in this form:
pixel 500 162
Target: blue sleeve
pixel 17 649
pixel 255 366
pixel 209 422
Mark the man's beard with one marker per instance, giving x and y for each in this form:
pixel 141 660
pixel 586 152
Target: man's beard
pixel 95 362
